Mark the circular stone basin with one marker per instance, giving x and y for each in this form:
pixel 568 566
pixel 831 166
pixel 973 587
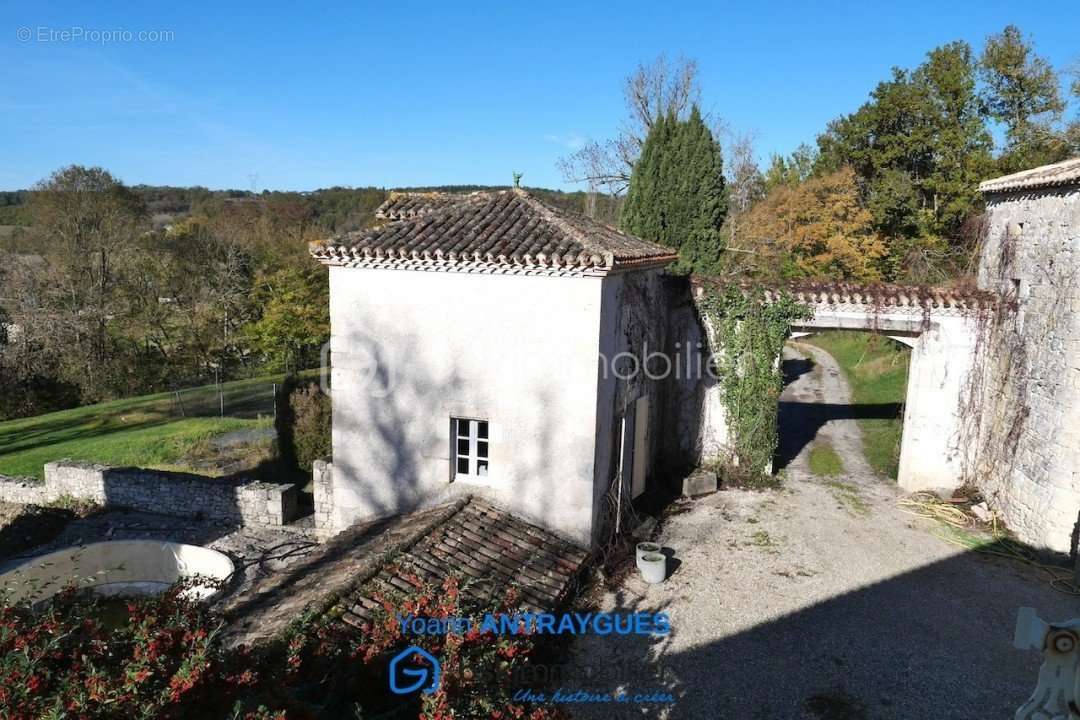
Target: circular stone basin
pixel 117 567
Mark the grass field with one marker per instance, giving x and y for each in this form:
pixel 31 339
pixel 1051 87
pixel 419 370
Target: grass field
pixel 876 369
pixel 147 431
pixel 824 461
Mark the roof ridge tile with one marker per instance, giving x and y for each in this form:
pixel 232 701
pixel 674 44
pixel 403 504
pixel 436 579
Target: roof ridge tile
pixel 487 229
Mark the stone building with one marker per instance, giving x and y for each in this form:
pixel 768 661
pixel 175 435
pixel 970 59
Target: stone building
pixel 491 344
pixel 465 336
pixel 1029 391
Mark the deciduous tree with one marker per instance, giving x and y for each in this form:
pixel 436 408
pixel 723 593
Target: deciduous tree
pixel 294 320
pixel 1022 92
pixel 88 226
pixel 818 228
pixel 654 91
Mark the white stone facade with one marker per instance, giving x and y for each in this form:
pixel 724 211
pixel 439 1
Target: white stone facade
pixel 413 349
pixel 942 342
pixel 1029 464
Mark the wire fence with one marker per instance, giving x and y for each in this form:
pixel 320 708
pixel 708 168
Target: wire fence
pixel 249 399
pixel 238 400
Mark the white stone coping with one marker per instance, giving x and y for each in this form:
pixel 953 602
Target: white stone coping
pixel 117 567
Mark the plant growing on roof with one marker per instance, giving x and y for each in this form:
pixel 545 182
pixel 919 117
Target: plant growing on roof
pixel 748 333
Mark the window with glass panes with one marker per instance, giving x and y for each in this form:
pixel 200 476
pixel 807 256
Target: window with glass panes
pixel 470 447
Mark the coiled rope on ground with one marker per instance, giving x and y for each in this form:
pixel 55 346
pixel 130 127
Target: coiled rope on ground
pixel 991 540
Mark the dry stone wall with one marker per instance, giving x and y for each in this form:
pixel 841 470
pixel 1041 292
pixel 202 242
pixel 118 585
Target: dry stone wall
pixel 242 501
pixel 1029 464
pixel 24 491
pixel 322 490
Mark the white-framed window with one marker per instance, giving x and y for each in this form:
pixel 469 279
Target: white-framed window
pixel 471 447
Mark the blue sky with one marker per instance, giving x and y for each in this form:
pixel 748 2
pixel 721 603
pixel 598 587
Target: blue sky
pixel 396 93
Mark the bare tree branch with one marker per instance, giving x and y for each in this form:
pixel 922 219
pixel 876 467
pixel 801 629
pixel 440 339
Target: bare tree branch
pixel 652 90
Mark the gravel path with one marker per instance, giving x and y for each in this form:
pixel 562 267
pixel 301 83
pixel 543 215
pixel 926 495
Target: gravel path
pixel 821 600
pixel 813 406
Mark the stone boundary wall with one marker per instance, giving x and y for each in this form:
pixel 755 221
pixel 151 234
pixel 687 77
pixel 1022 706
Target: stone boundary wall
pixel 243 501
pixel 1028 463
pixel 322 484
pixel 24 491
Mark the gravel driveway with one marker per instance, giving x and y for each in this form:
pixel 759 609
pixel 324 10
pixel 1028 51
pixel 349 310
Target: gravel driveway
pixel 820 600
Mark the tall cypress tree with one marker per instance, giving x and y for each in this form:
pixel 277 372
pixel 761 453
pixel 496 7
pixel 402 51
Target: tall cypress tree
pixel 677 195
pixel 641 212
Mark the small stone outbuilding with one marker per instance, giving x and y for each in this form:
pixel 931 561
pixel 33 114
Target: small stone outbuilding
pixel 466 332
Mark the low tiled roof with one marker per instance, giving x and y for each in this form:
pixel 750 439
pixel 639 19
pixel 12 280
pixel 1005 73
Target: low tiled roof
pixel 490 550
pixel 1059 174
pixel 496 231
pixel 830 292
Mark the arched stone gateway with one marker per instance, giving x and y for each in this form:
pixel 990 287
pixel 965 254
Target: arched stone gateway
pixel 942 327
pixel 994 387
pixel 492 344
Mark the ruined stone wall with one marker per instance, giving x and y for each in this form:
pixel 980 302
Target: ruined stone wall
pixel 242 501
pixel 322 490
pixel 1029 426
pixel 24 491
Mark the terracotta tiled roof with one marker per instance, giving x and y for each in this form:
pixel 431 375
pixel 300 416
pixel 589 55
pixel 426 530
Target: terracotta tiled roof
pixel 1059 174
pixel 405 205
pixel 496 231
pixel 818 292
pixel 490 550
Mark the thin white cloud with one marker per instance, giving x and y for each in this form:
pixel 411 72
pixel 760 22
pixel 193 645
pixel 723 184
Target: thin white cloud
pixel 570 141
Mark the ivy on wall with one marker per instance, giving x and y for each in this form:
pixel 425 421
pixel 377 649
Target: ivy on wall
pixel 748 334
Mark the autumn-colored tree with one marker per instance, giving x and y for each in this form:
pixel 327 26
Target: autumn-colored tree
pixel 817 228
pixel 87 226
pixel 295 319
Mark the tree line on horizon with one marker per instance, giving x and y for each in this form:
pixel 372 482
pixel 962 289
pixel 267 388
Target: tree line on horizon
pixel 108 290
pixel 888 192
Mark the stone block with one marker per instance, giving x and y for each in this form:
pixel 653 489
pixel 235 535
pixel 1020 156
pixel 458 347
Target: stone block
pixel 699 482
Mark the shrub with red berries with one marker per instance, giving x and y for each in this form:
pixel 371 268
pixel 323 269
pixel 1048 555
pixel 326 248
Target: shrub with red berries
pixel 164 659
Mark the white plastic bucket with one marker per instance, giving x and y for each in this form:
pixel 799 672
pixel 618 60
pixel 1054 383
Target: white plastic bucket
pixel 653 568
pixel 646 548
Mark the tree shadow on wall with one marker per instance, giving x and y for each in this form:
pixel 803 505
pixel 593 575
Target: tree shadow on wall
pixel 406 424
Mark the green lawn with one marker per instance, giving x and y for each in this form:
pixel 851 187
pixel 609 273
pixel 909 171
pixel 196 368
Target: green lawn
pixel 147 431
pixel 876 369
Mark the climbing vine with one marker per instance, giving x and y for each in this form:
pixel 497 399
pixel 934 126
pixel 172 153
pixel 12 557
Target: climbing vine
pixel 748 334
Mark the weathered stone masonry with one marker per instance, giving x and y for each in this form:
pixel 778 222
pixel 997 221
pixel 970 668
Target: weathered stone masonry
pixel 1029 432
pixel 242 501
pixel 941 325
pixel 322 490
